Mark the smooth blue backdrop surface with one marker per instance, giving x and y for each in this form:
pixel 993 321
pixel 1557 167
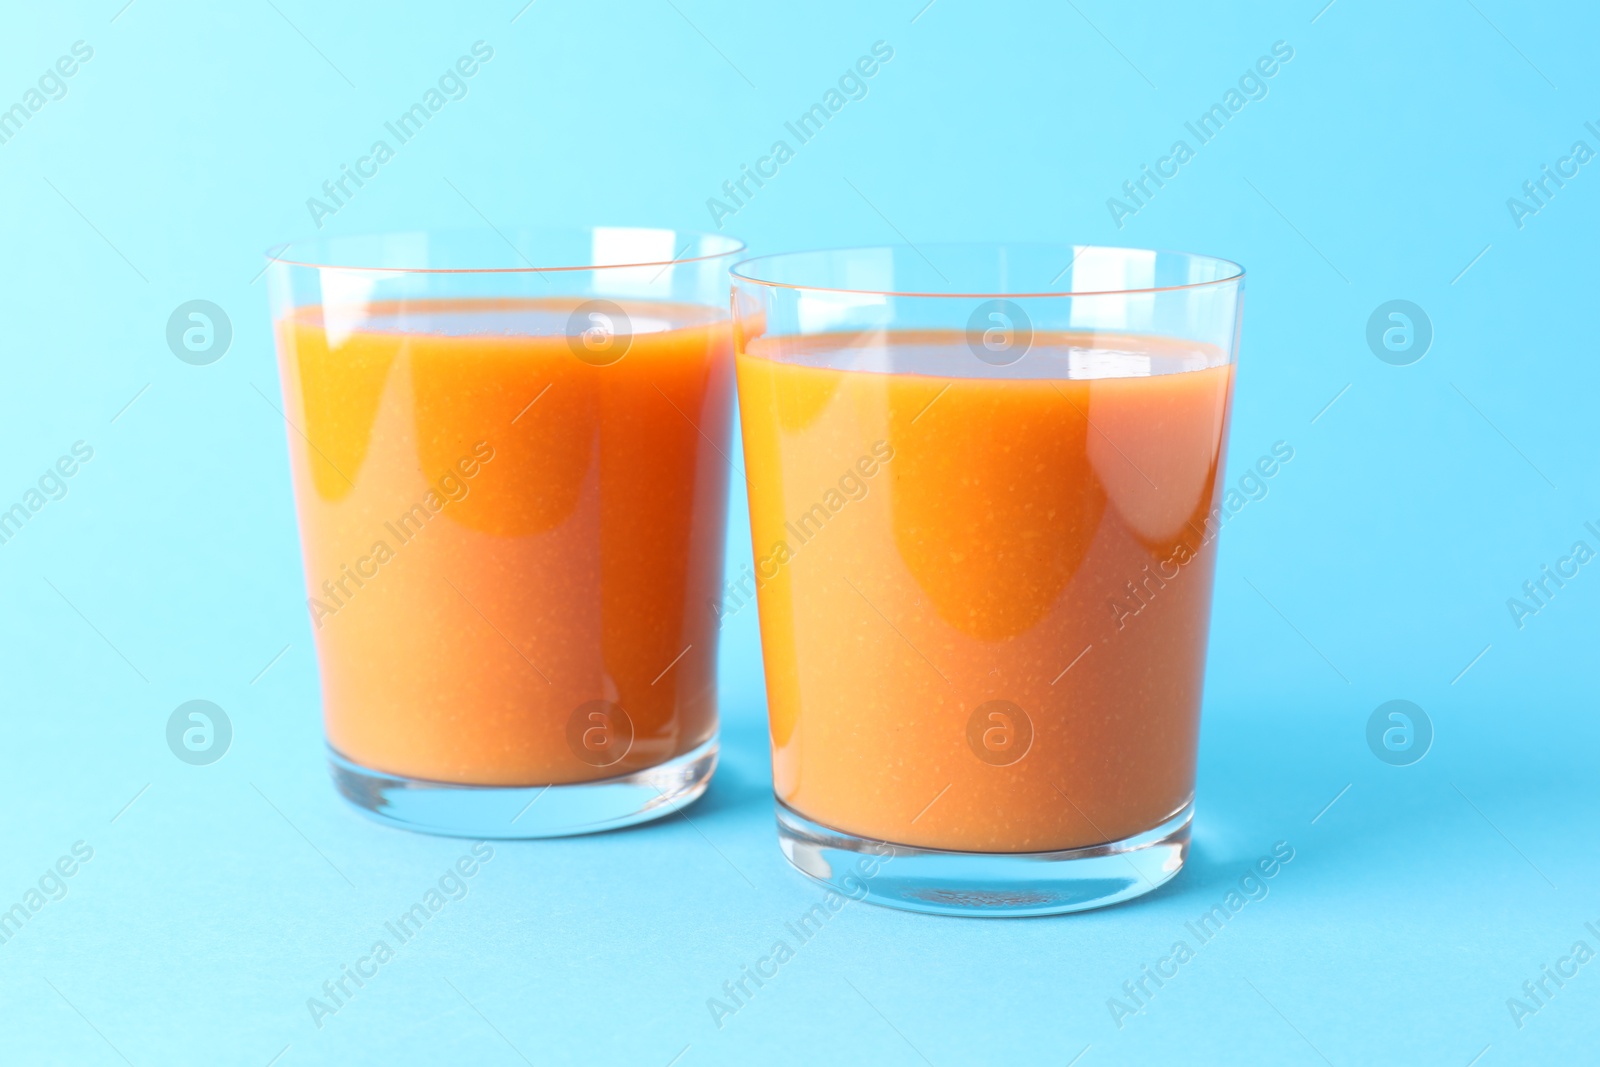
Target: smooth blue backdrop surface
pixel 1377 167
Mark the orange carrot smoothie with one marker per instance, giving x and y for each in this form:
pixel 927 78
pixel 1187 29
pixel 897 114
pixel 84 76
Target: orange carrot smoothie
pixel 504 532
pixel 984 591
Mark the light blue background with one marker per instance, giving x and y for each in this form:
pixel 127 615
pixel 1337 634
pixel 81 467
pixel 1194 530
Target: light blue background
pixel 1378 168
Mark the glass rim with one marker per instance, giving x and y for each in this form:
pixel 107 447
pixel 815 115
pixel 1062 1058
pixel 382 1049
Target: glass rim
pixel 739 271
pixel 276 254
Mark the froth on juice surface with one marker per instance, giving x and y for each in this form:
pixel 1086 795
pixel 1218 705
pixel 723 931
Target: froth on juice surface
pixel 995 642
pixel 500 529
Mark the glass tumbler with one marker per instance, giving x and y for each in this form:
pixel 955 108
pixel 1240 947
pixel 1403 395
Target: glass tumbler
pixel 984 495
pixel 509 460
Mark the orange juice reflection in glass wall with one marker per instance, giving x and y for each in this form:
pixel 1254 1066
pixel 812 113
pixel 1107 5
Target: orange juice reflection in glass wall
pixel 984 492
pixel 510 463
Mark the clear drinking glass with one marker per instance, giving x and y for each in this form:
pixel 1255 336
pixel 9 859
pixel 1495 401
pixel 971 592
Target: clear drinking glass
pixel 984 485
pixel 509 460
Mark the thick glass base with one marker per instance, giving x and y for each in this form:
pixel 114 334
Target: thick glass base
pixel 499 812
pixel 977 884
